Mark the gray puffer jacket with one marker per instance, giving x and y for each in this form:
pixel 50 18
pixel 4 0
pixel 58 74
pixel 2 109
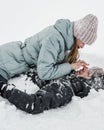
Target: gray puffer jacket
pixel 46 50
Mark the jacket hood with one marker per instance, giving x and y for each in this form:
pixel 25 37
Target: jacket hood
pixel 65 27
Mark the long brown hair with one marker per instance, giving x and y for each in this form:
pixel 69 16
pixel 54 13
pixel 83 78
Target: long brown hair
pixel 73 54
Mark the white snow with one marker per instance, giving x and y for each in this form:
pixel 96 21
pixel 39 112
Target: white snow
pixel 20 19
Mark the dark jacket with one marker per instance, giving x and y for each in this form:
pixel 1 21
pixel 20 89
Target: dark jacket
pixel 52 94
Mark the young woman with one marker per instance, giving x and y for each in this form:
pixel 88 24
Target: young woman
pixel 47 50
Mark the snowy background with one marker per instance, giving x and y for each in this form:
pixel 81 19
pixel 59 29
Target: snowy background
pixel 20 19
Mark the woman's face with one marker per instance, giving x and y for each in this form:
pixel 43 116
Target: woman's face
pixel 79 43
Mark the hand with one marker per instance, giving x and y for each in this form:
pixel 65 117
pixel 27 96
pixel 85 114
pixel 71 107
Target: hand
pixel 79 64
pixel 84 92
pixel 79 87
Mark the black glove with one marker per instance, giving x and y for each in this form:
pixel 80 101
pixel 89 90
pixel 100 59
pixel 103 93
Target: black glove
pixel 36 80
pixel 84 92
pixel 79 87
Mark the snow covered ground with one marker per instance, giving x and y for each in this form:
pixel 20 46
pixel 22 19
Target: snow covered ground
pixel 20 19
pixel 79 114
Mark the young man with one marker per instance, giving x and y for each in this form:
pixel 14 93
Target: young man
pixel 55 93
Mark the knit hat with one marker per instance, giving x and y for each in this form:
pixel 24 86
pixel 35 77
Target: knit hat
pixel 96 71
pixel 85 29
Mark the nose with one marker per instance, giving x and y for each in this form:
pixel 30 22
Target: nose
pixel 82 45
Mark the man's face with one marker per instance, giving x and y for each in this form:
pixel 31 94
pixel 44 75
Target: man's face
pixel 83 73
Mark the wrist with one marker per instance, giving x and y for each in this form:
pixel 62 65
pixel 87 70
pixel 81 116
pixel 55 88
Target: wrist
pixel 71 65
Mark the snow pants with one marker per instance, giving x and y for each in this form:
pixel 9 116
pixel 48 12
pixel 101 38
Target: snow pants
pixel 52 94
